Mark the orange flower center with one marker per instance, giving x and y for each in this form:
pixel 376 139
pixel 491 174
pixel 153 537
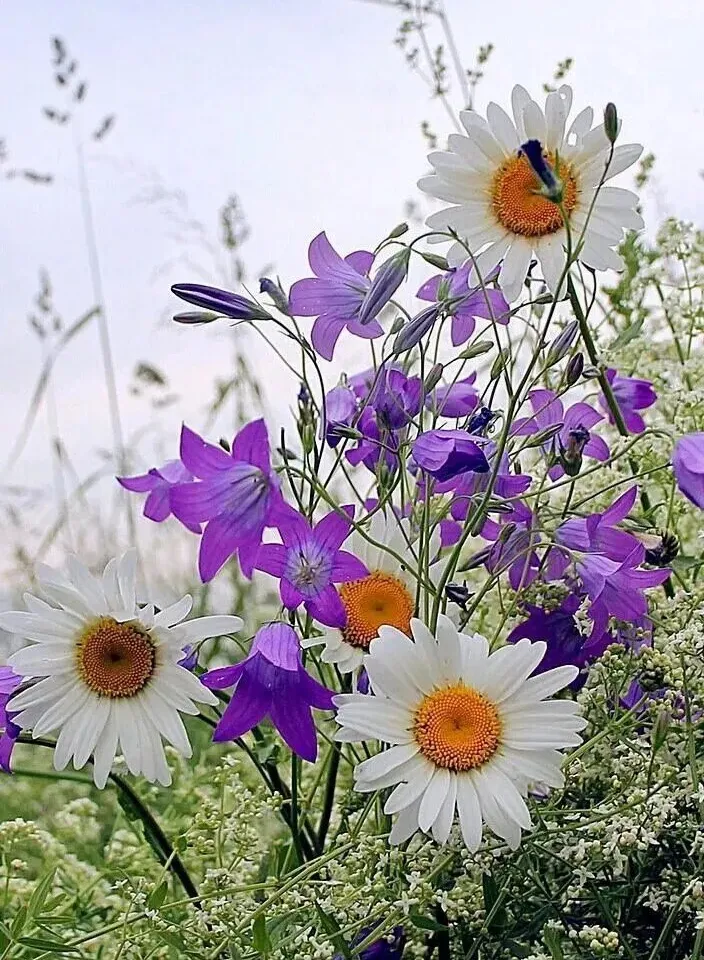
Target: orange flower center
pixel 115 659
pixel 518 204
pixel 375 601
pixel 457 728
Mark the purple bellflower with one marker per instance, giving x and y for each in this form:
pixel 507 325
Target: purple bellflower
pixel 9 732
pixel 340 411
pixel 474 301
pixel 514 546
pixel 566 645
pixel 309 562
pixel 222 302
pixel 631 395
pixel 599 533
pixel 334 295
pixel 272 682
pixel 392 400
pixel 574 435
pixel 688 466
pixel 455 399
pixel 616 587
pixel 445 454
pixel 158 483
pixel 237 495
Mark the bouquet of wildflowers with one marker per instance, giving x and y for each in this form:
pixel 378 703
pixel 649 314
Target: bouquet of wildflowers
pixel 469 723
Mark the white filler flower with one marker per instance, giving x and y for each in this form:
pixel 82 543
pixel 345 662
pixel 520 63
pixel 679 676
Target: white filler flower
pixel 107 669
pixel 499 210
pixel 468 730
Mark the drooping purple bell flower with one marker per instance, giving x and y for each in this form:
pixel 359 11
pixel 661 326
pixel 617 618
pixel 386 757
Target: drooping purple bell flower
pixel 467 303
pixel 688 466
pixel 340 411
pixel 445 454
pixel 237 495
pixel 631 395
pixel 334 295
pixel 455 399
pixel 272 682
pixel 158 483
pixel 549 411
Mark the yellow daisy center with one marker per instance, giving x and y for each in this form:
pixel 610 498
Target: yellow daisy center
pixel 457 728
pixel 115 659
pixel 375 601
pixel 518 204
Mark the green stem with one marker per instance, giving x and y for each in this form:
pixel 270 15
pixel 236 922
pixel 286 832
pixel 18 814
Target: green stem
pixel 329 796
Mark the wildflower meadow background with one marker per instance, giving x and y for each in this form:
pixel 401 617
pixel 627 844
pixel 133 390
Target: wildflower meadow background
pixel 352 482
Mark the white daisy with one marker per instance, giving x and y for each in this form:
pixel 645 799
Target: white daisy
pixel 107 669
pixel 468 730
pixel 386 596
pixel 498 208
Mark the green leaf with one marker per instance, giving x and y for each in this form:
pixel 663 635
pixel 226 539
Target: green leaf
pixel 331 927
pixel 630 333
pixel 491 896
pixel 260 936
pixel 552 940
pixel 47 946
pixel 427 923
pixel 19 923
pixel 158 895
pixel 40 893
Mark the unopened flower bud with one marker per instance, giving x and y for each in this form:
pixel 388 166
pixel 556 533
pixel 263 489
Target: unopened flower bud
pixel 552 186
pixel 433 378
pixel 457 593
pixel 571 454
pixel 560 346
pixel 574 369
pixel 436 261
pixel 414 331
pixel 398 231
pixel 276 293
pixel 222 302
pixel 476 560
pixel 611 122
pixel 386 282
pixel 195 318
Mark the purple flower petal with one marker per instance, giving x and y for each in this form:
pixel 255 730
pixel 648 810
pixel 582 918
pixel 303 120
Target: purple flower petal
pixel 347 567
pixel 139 484
pixel 327 608
pixel 325 334
pixel 219 542
pixel 271 558
pixel 249 705
pixel 361 261
pixel 223 677
pixel 292 718
pixel 201 458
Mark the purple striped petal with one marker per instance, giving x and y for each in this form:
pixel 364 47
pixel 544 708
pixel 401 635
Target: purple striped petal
pixel 249 705
pixel 201 458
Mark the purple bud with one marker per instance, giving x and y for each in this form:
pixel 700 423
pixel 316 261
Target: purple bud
pixel 222 302
pixel 276 293
pixel 571 453
pixel 386 282
pixel 416 329
pixel 574 369
pixel 552 185
pixel 433 378
pixel 561 344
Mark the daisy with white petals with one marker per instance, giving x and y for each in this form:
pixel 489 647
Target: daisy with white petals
pixel 499 210
pixel 467 730
pixel 386 596
pixel 106 669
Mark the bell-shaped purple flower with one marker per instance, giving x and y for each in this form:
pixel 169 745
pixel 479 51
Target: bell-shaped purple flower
pixel 455 399
pixel 340 411
pixel 465 303
pixel 445 454
pixel 688 466
pixel 9 732
pixel 158 484
pixel 566 644
pixel 309 561
pixel 222 302
pixel 237 495
pixel 600 533
pixel 548 411
pixel 272 682
pixel 396 398
pixel 631 395
pixel 334 295
pixel 616 587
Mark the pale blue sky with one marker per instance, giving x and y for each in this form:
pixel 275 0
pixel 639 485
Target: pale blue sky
pixel 305 109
